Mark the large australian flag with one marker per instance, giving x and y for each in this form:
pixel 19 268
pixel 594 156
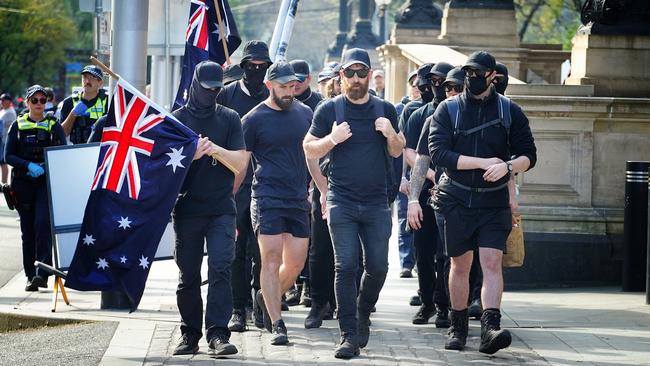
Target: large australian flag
pixel 203 40
pixel 144 156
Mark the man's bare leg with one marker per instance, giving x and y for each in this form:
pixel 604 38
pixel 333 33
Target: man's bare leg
pixel 271 256
pixel 459 280
pixel 294 254
pixel 492 277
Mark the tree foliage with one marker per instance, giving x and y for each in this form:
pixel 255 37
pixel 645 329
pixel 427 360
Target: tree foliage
pixel 548 21
pixel 31 42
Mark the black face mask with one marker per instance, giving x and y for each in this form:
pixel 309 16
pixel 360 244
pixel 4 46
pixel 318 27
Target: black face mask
pixel 201 102
pixel 254 79
pixel 426 94
pixel 439 93
pixel 501 84
pixel 476 85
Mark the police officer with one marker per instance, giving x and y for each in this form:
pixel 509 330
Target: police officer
pixel 479 139
pixel 27 137
pixel 80 111
pixel 242 96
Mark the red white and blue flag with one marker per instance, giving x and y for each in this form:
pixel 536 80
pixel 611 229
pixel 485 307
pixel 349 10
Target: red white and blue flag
pixel 144 157
pixel 203 40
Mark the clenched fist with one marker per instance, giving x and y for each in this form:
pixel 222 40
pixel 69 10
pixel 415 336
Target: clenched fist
pixel 383 125
pixel 340 132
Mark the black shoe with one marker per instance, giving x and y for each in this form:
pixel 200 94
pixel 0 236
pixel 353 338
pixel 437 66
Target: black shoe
pixel 406 273
pixel 475 309
pixel 30 286
pixel 415 301
pixel 442 317
pixel 266 319
pixel 40 282
pixel 220 346
pixel 305 299
pixel 316 315
pixel 424 314
pixel 457 334
pixel 493 338
pixel 293 295
pixel 279 333
pixel 188 345
pixel 237 321
pixel 347 349
pixel 258 315
pixel 330 313
pixel 364 329
pixel 283 304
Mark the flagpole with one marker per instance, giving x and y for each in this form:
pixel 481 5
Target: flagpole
pixel 221 32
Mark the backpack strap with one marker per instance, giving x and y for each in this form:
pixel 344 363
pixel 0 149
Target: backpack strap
pixel 505 117
pixel 453 110
pixel 339 109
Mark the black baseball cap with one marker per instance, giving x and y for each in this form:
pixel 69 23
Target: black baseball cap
pixel 94 71
pixel 232 73
pixel 423 74
pixel 301 67
pixel 6 96
pixel 355 56
pixel 35 89
pixel 411 75
pixel 455 75
pixel 441 69
pixel 325 75
pixel 209 75
pixel 255 51
pixel 281 72
pixel 501 69
pixel 480 60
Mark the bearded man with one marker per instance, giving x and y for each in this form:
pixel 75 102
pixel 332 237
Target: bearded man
pixel 359 147
pixel 273 132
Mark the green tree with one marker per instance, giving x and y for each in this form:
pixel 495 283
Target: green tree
pixel 548 21
pixel 32 42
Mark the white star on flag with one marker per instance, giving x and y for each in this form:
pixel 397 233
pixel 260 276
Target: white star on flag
pixel 123 259
pixel 124 222
pixel 89 240
pixel 144 262
pixel 175 158
pixel 101 263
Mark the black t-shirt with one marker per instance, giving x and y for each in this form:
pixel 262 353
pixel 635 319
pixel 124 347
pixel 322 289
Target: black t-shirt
pixel 415 123
pixel 275 139
pixel 357 171
pixel 310 98
pixel 409 108
pixel 207 189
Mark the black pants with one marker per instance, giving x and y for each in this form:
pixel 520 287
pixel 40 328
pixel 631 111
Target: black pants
pixel 33 209
pixel 218 235
pixel 433 265
pixel 246 266
pixel 321 257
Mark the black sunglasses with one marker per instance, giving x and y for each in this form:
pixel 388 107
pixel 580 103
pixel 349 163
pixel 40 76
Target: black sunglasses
pixel 251 66
pixel 361 73
pixel 457 88
pixel 38 100
pixel 499 79
pixel 424 88
pixel 471 72
pixel 436 81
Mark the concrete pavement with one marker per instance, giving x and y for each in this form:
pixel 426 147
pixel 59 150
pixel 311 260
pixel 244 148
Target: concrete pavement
pixel 588 326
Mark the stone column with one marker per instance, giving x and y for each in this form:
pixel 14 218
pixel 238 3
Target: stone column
pixel 611 51
pixel 486 23
pixel 336 48
pixel 396 68
pixel 418 21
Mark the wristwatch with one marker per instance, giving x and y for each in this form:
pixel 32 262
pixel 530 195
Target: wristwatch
pixel 509 166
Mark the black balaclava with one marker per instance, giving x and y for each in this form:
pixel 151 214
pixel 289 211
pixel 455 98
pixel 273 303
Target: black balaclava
pixel 501 85
pixel 201 102
pixel 427 95
pixel 254 80
pixel 440 70
pixel 476 84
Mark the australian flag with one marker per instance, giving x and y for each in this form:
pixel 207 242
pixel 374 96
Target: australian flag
pixel 144 156
pixel 203 40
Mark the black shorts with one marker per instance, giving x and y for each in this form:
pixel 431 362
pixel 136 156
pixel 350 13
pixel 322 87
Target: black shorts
pixel 270 219
pixel 463 229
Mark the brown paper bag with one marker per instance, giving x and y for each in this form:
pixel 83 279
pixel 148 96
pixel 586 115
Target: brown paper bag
pixel 513 255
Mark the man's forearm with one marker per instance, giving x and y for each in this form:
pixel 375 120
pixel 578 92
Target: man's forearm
pixel 68 123
pixel 316 175
pixel 316 148
pixel 409 156
pixel 469 163
pixel 520 164
pixel 396 144
pixel 418 175
pixel 238 158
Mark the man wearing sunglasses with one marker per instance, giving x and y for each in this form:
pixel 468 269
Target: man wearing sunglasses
pixel 303 91
pixel 80 111
pixel 478 139
pixel 243 96
pixel 360 148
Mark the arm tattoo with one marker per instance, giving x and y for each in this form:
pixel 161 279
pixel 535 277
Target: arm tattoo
pixel 418 175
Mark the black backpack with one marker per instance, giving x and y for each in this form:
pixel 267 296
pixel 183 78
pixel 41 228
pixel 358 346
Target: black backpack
pixel 393 167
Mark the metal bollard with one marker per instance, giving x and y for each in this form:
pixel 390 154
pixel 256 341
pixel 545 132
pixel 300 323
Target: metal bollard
pixel 115 300
pixel 635 229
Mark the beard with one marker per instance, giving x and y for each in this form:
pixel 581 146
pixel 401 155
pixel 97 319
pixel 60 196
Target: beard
pixel 354 90
pixel 284 103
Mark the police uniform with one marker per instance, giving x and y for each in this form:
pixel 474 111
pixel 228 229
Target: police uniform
pixel 25 145
pixel 84 125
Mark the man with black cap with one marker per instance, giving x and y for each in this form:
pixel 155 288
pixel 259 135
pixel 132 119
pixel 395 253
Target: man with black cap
pixel 80 111
pixel 242 96
pixel 273 132
pixel 303 91
pixel 361 146
pixel 205 215
pixel 501 78
pixel 232 73
pixel 478 139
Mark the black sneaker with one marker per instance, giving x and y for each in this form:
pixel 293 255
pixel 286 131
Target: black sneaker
pixel 188 345
pixel 40 282
pixel 30 286
pixel 257 315
pixel 220 346
pixel 347 349
pixel 279 333
pixel 406 273
pixel 293 295
pixel 316 315
pixel 237 321
pixel 475 309
pixel 415 301
pixel 266 319
pixel 442 318
pixel 283 304
pixel 424 314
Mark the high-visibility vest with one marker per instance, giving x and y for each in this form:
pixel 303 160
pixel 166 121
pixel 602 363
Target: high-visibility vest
pixel 97 110
pixel 33 137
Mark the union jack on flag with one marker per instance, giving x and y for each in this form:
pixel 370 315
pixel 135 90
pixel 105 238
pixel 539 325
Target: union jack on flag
pixel 143 160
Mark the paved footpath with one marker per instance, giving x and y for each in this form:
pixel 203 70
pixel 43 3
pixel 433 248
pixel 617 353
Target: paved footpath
pixel 587 326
